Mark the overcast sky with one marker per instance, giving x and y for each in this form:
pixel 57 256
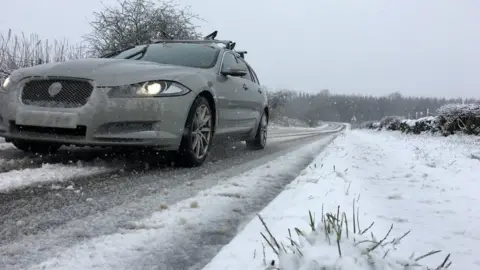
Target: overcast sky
pixel 416 47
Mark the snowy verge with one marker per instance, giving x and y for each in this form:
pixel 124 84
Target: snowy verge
pixel 16 179
pixel 426 188
pixel 141 240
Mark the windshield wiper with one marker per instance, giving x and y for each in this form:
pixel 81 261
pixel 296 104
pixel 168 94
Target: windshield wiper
pixel 141 52
pixel 115 53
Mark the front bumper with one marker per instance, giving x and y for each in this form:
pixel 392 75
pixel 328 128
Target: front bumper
pixel 152 122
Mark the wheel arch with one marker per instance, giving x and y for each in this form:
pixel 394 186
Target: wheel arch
pixel 266 110
pixel 211 101
pixel 201 85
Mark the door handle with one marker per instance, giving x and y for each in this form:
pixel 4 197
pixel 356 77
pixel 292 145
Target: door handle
pixel 245 87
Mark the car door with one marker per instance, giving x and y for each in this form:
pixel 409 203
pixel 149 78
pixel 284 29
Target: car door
pixel 231 100
pixel 254 95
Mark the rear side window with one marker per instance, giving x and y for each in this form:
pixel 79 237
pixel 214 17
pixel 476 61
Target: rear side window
pixel 249 75
pixel 253 77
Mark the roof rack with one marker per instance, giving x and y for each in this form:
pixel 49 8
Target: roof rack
pixel 242 53
pixel 226 42
pixel 208 39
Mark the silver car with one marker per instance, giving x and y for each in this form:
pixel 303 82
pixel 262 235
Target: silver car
pixel 168 95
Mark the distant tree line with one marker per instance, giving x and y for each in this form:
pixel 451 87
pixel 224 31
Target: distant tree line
pixel 324 106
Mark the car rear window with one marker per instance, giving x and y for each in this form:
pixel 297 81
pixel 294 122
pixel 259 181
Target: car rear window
pixel 180 54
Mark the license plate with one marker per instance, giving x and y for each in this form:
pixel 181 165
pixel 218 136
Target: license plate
pixel 47 119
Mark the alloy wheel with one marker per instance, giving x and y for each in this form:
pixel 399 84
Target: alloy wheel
pixel 263 130
pixel 201 131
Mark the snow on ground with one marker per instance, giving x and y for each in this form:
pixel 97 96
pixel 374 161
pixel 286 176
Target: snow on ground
pixel 173 224
pixel 47 173
pixel 5 146
pixel 422 183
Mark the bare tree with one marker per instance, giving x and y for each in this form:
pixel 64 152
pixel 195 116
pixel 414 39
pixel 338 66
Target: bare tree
pixel 135 22
pixel 19 51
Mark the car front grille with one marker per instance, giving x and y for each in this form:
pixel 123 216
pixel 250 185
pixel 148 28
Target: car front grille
pixel 69 93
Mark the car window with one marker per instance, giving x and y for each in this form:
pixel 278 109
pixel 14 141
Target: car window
pixel 229 60
pixel 248 76
pixel 180 54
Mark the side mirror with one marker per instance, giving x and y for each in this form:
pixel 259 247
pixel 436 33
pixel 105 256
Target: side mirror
pixel 236 71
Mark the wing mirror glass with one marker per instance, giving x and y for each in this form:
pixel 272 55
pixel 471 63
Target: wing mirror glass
pixel 236 71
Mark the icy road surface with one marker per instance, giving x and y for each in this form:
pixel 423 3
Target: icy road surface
pixel 52 204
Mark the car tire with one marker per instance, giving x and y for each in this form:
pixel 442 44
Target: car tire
pixel 260 140
pixel 36 147
pixel 198 134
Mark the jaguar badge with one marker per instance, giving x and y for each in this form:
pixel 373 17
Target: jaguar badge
pixel 54 89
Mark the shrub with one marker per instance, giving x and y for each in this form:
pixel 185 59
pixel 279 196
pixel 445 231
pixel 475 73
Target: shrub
pixel 370 125
pixel 460 117
pixel 391 122
pixel 429 123
pixel 451 119
pixel 20 51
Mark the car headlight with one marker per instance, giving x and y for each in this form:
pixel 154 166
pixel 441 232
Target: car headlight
pixel 148 89
pixel 6 83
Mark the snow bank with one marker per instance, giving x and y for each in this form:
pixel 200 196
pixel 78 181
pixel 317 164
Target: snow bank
pixel 5 146
pixel 460 117
pixel 451 119
pixel 420 192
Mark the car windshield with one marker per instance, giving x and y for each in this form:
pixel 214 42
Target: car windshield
pixel 180 54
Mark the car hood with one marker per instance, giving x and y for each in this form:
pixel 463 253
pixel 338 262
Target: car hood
pixel 107 72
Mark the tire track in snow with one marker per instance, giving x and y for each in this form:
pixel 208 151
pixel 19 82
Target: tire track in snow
pixel 34 170
pixel 14 159
pixel 69 165
pixel 47 173
pixel 31 169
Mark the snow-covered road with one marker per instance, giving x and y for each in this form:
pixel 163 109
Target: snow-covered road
pixel 86 198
